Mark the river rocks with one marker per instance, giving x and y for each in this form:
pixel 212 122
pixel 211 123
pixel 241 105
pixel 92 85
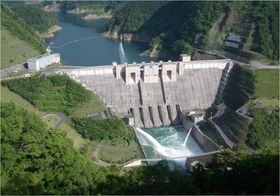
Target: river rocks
pixel 143 37
pixel 51 31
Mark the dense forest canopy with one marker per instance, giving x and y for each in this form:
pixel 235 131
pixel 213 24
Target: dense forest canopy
pixel 133 15
pixel 96 7
pixel 35 17
pixel 178 25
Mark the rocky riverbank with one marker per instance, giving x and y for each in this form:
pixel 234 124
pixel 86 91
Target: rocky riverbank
pixel 145 38
pixel 87 15
pixel 52 8
pixel 163 54
pixel 50 32
pixel 95 16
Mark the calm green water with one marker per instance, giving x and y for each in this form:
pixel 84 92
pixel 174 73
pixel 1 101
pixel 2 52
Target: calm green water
pixel 80 42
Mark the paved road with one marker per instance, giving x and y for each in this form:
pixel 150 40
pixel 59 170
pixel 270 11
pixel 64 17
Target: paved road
pixel 246 61
pixel 61 118
pixel 13 70
pixel 241 60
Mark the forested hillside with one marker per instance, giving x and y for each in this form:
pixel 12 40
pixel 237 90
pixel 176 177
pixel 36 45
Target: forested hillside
pixel 34 17
pixel 38 160
pixel 95 7
pixel 17 27
pixel 133 15
pixel 179 25
pixel 19 41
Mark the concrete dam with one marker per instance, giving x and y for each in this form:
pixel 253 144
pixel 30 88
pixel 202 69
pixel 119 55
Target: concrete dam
pixel 155 93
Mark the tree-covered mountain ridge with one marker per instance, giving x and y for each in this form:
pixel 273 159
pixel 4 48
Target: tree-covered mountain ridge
pixel 180 26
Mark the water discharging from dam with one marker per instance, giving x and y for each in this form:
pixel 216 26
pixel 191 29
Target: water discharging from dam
pixel 122 53
pixel 168 142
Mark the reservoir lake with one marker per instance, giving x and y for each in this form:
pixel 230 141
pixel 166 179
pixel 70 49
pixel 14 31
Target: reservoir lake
pixel 80 42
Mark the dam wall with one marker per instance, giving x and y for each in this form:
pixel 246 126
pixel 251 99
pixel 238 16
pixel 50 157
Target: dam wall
pixel 154 92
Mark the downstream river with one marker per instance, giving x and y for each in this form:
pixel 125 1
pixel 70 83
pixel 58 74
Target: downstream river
pixel 80 42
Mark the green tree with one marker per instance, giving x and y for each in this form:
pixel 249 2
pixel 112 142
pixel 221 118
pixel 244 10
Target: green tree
pixel 182 47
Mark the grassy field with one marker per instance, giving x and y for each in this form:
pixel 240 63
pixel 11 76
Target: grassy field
pixel 14 50
pixel 8 96
pixel 93 106
pixel 267 83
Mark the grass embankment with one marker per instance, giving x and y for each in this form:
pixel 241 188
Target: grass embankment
pixel 94 105
pixel 8 96
pixel 266 93
pixel 266 83
pixel 14 50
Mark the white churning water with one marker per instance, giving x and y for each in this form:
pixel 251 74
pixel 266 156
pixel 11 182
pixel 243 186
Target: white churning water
pixel 167 142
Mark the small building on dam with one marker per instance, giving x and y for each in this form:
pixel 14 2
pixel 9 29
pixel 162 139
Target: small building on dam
pixel 155 93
